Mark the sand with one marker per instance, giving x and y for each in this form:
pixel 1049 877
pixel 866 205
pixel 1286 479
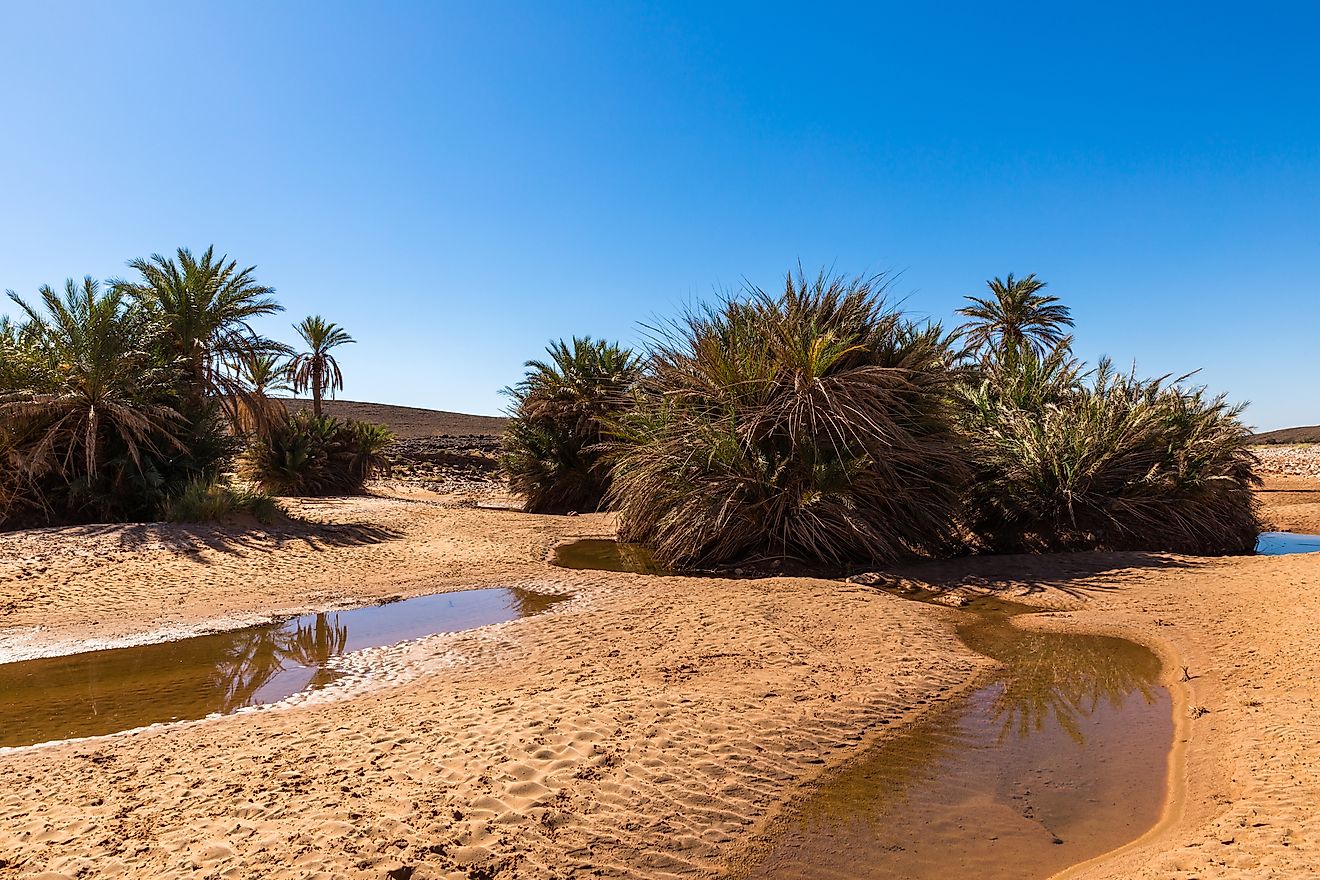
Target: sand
pixel 1291 494
pixel 651 727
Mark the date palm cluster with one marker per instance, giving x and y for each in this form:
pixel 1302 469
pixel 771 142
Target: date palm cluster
pixel 821 424
pixel 131 399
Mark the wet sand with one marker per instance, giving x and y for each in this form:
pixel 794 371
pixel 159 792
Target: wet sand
pixel 650 727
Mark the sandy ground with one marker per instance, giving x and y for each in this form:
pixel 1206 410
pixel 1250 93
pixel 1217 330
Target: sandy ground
pixel 1291 494
pixel 649 728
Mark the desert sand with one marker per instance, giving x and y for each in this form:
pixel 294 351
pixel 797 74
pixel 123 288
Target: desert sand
pixel 650 727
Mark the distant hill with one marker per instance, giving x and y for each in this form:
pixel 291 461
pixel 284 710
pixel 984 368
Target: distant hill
pixel 1290 435
pixel 408 422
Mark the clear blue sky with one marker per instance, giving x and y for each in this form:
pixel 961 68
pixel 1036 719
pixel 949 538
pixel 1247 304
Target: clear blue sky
pixel 458 183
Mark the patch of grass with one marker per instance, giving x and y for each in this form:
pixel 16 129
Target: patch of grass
pixel 203 501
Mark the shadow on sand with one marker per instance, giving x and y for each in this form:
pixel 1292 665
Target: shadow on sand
pixel 244 535
pixel 1076 574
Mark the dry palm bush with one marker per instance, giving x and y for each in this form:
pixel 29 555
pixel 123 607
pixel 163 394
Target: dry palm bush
pixel 552 446
pixel 1067 460
pixel 814 424
pixel 303 454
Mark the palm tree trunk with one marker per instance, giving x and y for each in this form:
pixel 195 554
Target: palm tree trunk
pixel 316 389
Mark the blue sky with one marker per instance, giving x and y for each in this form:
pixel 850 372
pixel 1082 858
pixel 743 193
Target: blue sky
pixel 458 183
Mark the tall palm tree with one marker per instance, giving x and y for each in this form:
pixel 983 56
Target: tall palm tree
pixel 204 307
pixel 316 369
pixel 1017 315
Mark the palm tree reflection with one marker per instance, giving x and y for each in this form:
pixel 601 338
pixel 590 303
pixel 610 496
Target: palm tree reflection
pixel 526 602
pixel 255 656
pixel 1060 677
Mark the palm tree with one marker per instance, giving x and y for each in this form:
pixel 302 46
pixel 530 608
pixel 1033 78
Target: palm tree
pixel 10 348
pixel 204 307
pixel 92 383
pixel 1017 315
pixel 551 451
pixel 261 373
pixel 580 380
pixel 316 368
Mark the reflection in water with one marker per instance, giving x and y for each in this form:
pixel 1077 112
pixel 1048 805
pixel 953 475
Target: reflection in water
pixel 1053 678
pixel 1058 756
pixel 256 656
pixel 106 691
pixel 600 554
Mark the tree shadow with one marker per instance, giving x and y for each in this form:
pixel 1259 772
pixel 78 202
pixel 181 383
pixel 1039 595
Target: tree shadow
pixel 1075 574
pixel 242 535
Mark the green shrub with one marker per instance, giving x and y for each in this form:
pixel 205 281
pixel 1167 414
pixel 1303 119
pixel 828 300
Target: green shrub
pixel 93 426
pixel 552 446
pixel 1071 461
pixel 306 455
pixel 815 424
pixel 207 501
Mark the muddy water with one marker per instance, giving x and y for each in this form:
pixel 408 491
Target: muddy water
pixel 100 692
pixel 1057 756
pixel 1284 543
pixel 606 555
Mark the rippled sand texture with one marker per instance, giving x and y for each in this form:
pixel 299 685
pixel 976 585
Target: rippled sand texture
pixel 650 728
pixel 634 732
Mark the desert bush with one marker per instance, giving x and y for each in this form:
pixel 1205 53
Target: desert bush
pixel 813 424
pixel 210 500
pixel 303 454
pixel 1068 460
pixel 552 446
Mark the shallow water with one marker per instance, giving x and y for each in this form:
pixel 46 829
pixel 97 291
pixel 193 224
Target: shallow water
pixel 99 692
pixel 1284 543
pixel 606 555
pixel 1059 755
